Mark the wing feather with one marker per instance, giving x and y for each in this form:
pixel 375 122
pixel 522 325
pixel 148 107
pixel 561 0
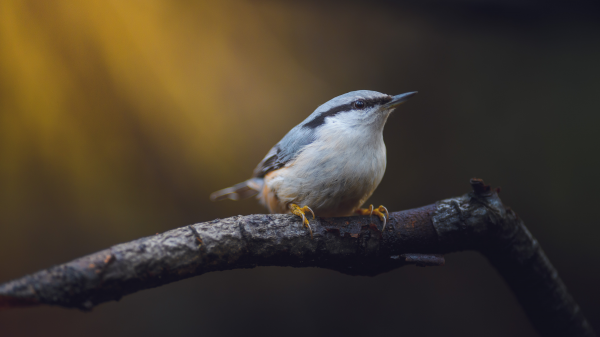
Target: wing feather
pixel 285 151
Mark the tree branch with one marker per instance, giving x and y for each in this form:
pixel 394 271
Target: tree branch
pixel 355 246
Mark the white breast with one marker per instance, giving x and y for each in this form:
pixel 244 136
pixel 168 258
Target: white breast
pixel 335 174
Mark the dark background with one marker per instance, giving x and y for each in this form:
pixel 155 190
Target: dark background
pixel 118 119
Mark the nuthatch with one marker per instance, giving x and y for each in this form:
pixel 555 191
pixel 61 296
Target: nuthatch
pixel 330 163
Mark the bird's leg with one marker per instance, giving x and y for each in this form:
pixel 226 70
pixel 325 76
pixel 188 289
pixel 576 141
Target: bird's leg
pixel 301 212
pixel 379 211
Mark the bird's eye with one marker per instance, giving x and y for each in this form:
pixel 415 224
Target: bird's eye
pixel 359 104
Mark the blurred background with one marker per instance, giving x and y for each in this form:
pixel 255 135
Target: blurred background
pixel 119 118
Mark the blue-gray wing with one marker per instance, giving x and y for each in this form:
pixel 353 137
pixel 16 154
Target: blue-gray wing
pixel 285 151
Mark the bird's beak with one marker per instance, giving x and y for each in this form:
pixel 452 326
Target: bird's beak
pixel 399 99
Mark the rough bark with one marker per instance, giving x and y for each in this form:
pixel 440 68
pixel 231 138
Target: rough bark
pixel 355 246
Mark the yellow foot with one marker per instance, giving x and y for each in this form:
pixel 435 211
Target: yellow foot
pixel 377 211
pixel 301 212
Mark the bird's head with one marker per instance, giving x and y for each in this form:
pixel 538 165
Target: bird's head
pixel 356 108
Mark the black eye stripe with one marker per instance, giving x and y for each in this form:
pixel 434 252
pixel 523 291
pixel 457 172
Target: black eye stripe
pixel 376 101
pixel 369 102
pixel 320 119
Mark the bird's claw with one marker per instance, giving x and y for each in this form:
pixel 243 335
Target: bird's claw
pixel 379 211
pixel 301 212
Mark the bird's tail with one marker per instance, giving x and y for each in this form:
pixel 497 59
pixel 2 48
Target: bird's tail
pixel 247 189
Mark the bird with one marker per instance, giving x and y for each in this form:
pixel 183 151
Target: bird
pixel 329 164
